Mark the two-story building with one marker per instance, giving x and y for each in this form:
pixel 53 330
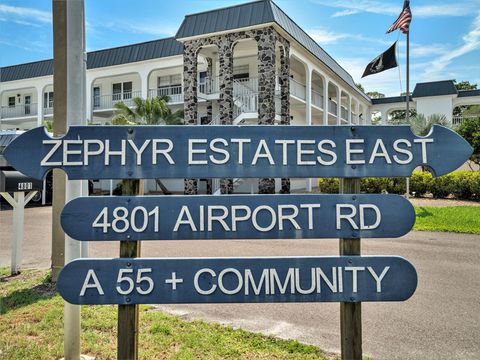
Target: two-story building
pixel 243 64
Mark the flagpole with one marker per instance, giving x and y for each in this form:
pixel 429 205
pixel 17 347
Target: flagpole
pixel 407 98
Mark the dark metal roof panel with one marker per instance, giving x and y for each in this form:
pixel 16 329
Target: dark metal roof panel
pixel 435 88
pixel 234 17
pixel 26 71
pixel 466 93
pixel 390 100
pixel 101 58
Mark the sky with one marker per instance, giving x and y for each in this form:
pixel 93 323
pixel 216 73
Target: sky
pixel 444 35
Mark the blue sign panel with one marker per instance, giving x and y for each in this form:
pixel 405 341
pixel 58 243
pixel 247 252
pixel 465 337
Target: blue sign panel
pixel 237 280
pixel 147 152
pixel 237 217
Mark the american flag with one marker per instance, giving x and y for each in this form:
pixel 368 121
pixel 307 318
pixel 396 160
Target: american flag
pixel 403 20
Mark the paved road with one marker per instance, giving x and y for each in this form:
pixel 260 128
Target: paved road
pixel 440 321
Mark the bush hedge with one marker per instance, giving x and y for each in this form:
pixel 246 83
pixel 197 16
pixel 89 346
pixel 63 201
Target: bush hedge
pixel 463 185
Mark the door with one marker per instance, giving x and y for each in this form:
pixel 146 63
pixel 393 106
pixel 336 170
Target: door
pixel 28 101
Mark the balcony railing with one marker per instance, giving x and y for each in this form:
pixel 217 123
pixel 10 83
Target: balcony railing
pixel 297 89
pixel 18 111
pixel 332 107
pixel 344 113
pixel 209 85
pixel 104 102
pixel 48 111
pixel 457 120
pixel 245 86
pixel 317 99
pixel 175 93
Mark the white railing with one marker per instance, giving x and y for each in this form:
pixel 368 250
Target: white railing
pixel 457 120
pixel 332 107
pixel 103 102
pixel 247 103
pixel 209 85
pixel 48 111
pixel 245 86
pixel 18 111
pixel 174 93
pixel 317 99
pixel 344 113
pixel 297 89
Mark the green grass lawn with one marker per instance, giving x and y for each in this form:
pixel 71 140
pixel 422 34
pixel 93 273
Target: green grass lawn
pixel 459 219
pixel 31 324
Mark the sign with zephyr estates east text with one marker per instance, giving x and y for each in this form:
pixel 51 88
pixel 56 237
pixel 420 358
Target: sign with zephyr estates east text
pixel 237 217
pixel 237 280
pixel 146 152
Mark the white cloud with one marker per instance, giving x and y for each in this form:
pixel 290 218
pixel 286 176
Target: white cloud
pixel 157 29
pixel 323 36
pixel 345 12
pixel 419 50
pixel 25 16
pixel 351 7
pixel 471 42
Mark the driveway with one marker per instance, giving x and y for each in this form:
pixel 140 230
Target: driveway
pixel 440 321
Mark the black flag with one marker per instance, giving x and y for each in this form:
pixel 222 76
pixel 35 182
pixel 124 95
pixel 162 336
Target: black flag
pixel 382 62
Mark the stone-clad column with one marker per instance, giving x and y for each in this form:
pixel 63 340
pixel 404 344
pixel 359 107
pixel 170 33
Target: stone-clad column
pixel 266 41
pixel 190 100
pixel 190 83
pixel 284 80
pixel 225 54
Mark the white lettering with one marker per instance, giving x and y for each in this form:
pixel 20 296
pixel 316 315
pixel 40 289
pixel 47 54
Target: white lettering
pixel 95 285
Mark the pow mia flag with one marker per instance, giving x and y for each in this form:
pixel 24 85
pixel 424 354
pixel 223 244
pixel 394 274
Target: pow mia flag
pixel 386 60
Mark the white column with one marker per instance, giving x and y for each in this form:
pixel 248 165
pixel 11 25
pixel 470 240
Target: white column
pixel 339 105
pixel 308 95
pixel 39 105
pixel 17 238
pixel 88 99
pixel 325 100
pixel 144 84
pixel 349 109
pixel 357 111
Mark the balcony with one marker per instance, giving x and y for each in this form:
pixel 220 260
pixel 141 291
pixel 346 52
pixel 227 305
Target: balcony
pixel 332 107
pixel 107 102
pixel 48 111
pixel 175 93
pixel 209 85
pixel 298 89
pixel 458 120
pixel 18 111
pixel 317 99
pixel 344 113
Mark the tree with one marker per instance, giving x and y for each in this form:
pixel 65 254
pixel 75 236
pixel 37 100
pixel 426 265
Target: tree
pixel 469 129
pixel 465 109
pixel 464 85
pixel 360 86
pixel 375 94
pixel 147 112
pixel 422 125
pixel 399 116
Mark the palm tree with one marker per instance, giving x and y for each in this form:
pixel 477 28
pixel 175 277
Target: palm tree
pixel 147 112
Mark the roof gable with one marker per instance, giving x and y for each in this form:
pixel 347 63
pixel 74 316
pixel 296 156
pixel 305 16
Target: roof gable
pixel 435 88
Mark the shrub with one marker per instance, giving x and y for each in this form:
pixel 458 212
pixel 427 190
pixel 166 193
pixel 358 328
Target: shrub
pixel 420 183
pixel 328 185
pixel 442 186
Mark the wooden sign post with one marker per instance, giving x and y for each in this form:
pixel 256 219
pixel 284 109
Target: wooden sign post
pixel 350 312
pixel 128 315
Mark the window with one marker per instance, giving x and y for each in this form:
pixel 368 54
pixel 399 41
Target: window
pixel 122 90
pixel 48 100
pixel 241 72
pixel 11 101
pixel 96 97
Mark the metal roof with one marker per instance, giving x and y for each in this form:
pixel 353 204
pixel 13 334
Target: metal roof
pixel 435 88
pixel 96 59
pixel 466 93
pixel 256 13
pixel 390 100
